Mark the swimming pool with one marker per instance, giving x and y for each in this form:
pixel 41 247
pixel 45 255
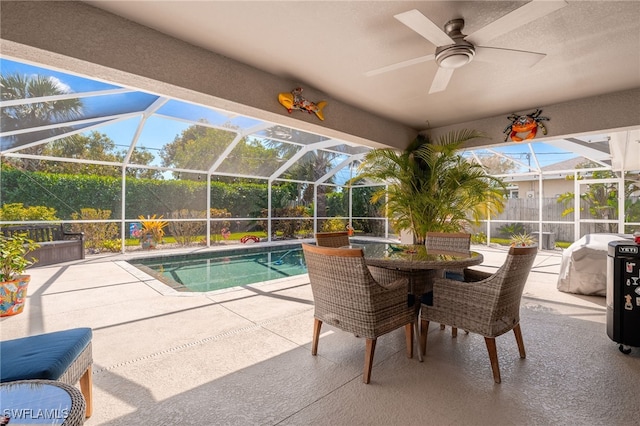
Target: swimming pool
pixel 220 270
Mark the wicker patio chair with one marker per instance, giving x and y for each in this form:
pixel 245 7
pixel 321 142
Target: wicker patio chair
pixel 339 239
pixel 449 241
pixel 487 304
pixel 347 297
pixel 332 239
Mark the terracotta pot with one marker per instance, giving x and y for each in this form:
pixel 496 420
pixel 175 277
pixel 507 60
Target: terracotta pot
pixel 13 295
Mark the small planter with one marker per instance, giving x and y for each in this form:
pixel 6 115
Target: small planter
pixel 147 242
pixel 152 231
pixel 13 295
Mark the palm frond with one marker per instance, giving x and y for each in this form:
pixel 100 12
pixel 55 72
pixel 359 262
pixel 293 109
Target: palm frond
pixel 431 186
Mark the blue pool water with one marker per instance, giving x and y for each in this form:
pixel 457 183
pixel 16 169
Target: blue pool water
pixel 220 270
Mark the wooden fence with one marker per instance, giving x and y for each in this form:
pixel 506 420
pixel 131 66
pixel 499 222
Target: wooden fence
pixel 527 212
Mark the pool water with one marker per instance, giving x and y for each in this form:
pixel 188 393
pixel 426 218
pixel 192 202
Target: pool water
pixel 221 270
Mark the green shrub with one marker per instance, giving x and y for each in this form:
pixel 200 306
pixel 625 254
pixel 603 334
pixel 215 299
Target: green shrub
pixel 112 245
pixel 17 212
pixel 288 228
pixel 144 196
pixel 334 225
pixel 187 232
pixel 479 238
pixel 511 229
pixel 94 233
pixel 218 225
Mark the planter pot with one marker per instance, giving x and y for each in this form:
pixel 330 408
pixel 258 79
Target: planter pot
pixel 147 242
pixel 13 295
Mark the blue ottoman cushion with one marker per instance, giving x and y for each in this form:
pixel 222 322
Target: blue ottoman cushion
pixel 44 356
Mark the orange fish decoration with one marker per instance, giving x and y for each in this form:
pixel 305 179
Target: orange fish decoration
pixel 295 100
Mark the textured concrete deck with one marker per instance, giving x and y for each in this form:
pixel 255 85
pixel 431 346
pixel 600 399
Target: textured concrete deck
pixel 242 356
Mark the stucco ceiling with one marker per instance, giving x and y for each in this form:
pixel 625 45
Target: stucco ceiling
pixel 591 47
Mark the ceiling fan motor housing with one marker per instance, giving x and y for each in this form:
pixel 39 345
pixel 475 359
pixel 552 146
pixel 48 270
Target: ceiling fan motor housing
pixel 458 54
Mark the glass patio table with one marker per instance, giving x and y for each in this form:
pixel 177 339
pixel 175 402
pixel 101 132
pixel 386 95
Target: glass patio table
pixel 416 257
pixel 48 402
pixel 418 264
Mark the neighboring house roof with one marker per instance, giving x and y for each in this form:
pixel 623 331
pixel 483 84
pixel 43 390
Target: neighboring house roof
pixel 564 168
pixel 569 164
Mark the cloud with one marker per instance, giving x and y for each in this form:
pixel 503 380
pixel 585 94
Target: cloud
pixel 56 82
pixel 65 88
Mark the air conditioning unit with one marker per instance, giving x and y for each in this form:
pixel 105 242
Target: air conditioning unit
pixel 531 194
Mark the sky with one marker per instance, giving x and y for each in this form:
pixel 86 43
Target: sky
pixel 157 131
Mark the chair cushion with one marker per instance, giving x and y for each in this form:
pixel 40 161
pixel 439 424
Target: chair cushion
pixel 427 298
pixel 457 276
pixel 43 356
pixel 411 300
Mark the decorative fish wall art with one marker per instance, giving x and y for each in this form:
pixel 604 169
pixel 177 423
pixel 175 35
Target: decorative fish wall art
pixel 295 100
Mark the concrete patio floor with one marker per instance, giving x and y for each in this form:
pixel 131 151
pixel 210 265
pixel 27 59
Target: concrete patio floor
pixel 242 356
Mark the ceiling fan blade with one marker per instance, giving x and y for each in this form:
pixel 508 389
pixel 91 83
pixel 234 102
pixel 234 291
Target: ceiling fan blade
pixel 531 11
pixel 519 57
pixel 441 80
pixel 399 65
pixel 423 26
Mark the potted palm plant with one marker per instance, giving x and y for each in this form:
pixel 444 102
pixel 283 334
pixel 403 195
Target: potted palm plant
pixel 431 186
pixel 152 231
pixel 522 239
pixel 13 263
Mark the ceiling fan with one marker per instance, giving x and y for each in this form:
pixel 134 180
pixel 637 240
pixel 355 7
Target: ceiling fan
pixel 455 49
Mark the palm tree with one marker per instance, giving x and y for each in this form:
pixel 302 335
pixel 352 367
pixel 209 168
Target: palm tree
pixel 312 166
pixel 601 199
pixel 431 186
pixel 32 115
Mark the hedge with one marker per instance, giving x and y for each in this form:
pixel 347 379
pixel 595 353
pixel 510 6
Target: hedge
pixel 70 193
